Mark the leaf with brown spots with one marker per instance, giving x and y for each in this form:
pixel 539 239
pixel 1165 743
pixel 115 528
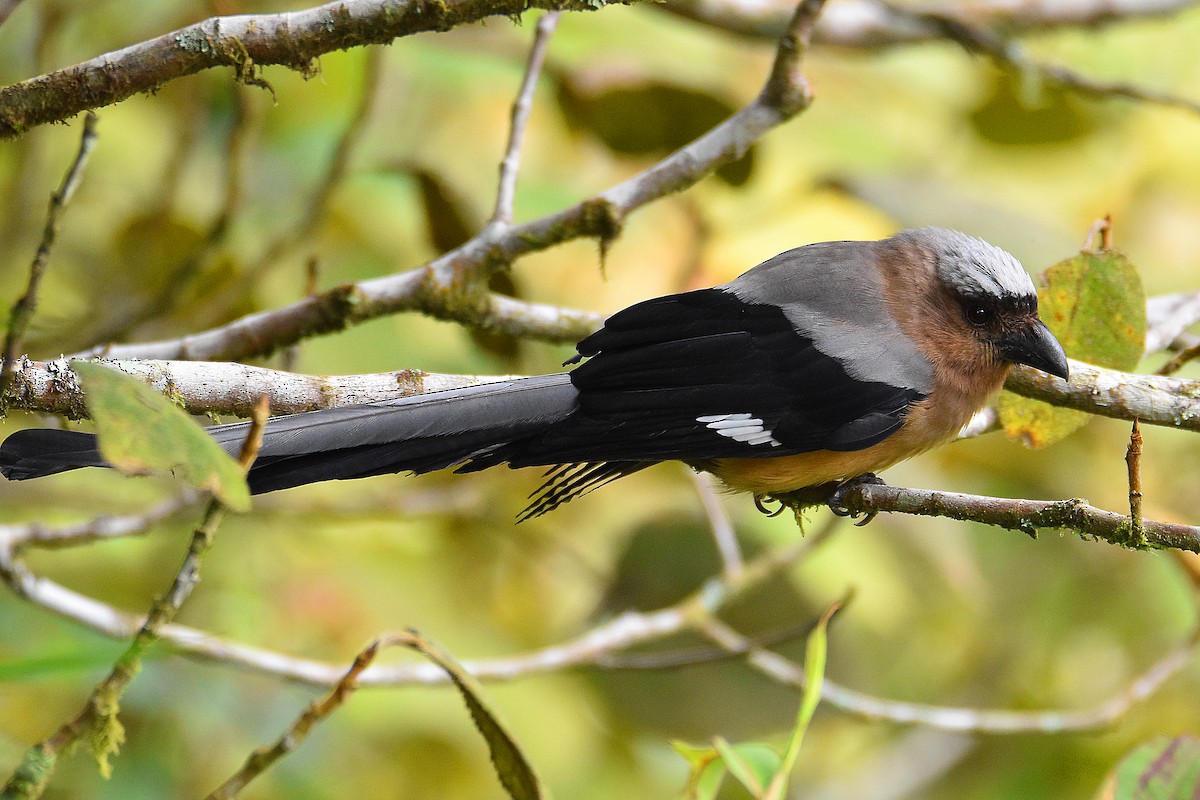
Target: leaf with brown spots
pixel 1094 303
pixel 1162 769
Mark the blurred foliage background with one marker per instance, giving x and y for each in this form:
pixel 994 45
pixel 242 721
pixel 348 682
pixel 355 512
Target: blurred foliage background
pixel 944 613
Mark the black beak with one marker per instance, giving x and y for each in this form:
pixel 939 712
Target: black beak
pixel 1036 346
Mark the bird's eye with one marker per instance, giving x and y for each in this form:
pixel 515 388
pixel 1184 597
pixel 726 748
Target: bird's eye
pixel 978 315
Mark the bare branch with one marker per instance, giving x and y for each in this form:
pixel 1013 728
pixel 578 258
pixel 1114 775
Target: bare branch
pixel 867 24
pixel 294 39
pixel 265 332
pixel 1179 360
pixel 35 534
pixel 505 195
pixel 593 647
pixel 974 720
pixel 1154 399
pixel 1168 316
pixel 977 39
pixel 22 310
pixel 229 388
pixel 1133 464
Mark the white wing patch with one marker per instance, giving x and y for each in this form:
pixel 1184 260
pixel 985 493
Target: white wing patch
pixel 740 428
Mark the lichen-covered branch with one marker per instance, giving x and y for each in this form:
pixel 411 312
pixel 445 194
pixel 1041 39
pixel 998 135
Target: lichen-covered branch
pixel 453 286
pixel 265 332
pixel 97 721
pixel 1026 516
pixel 248 42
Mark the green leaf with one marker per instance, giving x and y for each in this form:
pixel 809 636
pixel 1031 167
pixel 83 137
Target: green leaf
pixel 752 764
pixel 815 654
pixel 1162 769
pixel 643 116
pixel 448 220
pixel 512 768
pixel 1096 306
pixel 143 433
pixel 1022 110
pixel 706 771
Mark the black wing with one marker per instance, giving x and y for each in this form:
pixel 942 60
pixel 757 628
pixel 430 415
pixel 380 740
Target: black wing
pixel 699 376
pixel 704 375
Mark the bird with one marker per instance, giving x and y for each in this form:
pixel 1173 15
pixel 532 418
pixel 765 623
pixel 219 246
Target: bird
pixel 822 365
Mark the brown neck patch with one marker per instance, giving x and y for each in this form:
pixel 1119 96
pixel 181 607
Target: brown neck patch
pixel 930 315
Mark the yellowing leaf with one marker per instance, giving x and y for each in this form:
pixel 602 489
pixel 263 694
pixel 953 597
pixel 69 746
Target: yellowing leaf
pixel 1094 303
pixel 141 432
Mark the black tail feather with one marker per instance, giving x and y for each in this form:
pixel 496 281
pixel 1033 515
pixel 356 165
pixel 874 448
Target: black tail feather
pixel 35 452
pixel 413 434
pixel 471 429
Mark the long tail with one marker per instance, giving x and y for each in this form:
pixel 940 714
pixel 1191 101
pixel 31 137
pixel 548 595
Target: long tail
pixel 417 434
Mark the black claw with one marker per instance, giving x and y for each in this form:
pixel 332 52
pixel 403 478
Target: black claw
pixel 761 500
pixel 837 500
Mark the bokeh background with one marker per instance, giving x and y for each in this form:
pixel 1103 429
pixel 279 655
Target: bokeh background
pixel 944 613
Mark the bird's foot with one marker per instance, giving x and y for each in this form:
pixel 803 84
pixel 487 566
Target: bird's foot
pixel 837 500
pixel 761 501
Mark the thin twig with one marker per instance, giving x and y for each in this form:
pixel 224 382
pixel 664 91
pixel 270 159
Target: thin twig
pixel 1133 462
pixel 866 25
pixel 262 759
pixel 1100 235
pixel 1179 360
pixel 975 720
pixel 15 538
pixel 312 274
pixel 22 310
pixel 976 39
pixel 1167 317
pixel 522 106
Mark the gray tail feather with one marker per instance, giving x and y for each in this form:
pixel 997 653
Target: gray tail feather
pixel 413 434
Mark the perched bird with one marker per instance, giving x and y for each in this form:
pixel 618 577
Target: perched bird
pixel 822 364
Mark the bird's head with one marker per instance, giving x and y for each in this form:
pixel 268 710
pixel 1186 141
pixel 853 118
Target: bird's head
pixel 996 298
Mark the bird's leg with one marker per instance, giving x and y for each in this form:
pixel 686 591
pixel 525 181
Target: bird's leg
pixel 837 500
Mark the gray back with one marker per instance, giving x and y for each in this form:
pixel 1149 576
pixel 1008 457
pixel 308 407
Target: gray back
pixel 831 292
